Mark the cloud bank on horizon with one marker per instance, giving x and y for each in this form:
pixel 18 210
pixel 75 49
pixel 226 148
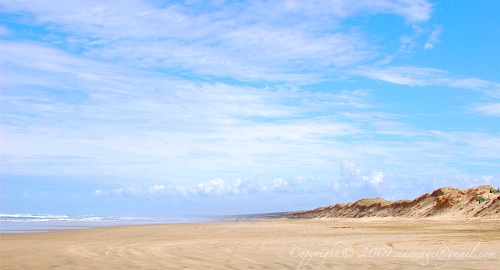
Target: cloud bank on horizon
pixel 190 103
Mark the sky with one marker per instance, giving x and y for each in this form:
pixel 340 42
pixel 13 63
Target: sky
pixel 164 108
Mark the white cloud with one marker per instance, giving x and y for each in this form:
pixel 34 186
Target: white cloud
pixel 63 109
pixel 114 17
pixel 352 178
pixel 127 191
pixel 4 31
pixel 348 173
pixel 350 186
pixel 372 115
pixel 413 11
pixel 489 109
pixel 376 178
pixel 120 120
pixel 247 188
pixel 292 41
pixel 417 76
pixel 214 188
pixel 409 42
pixel 433 38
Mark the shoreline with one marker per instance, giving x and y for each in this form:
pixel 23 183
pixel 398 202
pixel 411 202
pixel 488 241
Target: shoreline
pixel 77 225
pixel 35 223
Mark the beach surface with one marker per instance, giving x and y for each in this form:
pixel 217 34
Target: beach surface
pixel 364 243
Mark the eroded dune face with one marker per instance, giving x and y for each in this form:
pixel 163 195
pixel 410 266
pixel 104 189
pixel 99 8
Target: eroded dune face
pixel 445 202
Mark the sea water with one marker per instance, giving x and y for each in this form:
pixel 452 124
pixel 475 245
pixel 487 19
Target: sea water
pixel 32 223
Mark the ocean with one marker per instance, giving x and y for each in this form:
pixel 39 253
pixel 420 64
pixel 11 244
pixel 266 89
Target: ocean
pixel 35 223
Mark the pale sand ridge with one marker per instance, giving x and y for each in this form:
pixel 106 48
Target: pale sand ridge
pixel 443 202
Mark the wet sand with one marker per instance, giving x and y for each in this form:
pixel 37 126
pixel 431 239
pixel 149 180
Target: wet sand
pixel 367 243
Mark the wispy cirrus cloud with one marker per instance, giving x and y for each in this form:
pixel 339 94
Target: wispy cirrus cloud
pixel 109 115
pixel 434 37
pixel 4 31
pixel 419 76
pixel 253 41
pixel 489 109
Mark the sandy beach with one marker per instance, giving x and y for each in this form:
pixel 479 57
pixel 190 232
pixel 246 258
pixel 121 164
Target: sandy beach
pixel 367 243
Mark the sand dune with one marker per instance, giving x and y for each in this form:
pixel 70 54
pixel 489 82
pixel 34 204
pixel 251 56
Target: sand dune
pixel 443 202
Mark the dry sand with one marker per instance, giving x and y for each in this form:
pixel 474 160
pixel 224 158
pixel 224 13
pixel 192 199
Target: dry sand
pixel 366 243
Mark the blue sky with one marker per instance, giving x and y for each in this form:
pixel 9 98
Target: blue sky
pixel 158 108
